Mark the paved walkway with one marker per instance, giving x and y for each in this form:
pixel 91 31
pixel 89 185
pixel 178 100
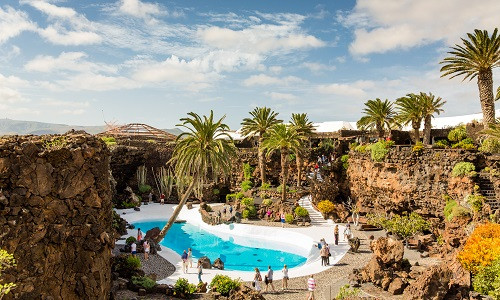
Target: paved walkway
pixel 317 218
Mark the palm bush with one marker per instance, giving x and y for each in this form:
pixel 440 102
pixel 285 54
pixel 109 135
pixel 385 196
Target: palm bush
pixel 379 115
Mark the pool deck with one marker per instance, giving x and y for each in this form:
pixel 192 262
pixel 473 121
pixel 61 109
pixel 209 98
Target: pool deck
pixel 303 238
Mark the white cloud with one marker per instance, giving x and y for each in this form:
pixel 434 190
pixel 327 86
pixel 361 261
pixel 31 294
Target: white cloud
pixel 317 67
pixel 263 79
pixel 355 89
pixel 71 61
pixel 13 81
pixel 139 9
pixel 281 96
pixel 61 36
pixel 276 69
pixel 384 25
pixel 13 22
pixel 51 9
pixel 10 96
pixel 96 82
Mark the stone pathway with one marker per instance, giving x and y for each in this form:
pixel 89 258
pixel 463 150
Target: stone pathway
pixel 316 217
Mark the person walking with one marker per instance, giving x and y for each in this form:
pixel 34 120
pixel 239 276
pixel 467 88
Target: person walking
pixel 336 234
pixel 190 257
pixel 184 257
pixel 323 253
pixel 328 254
pixel 147 248
pixel 200 271
pixel 133 248
pixel 347 232
pixel 256 280
pixel 311 287
pixel 139 235
pixel 269 278
pixel 282 217
pixel 284 283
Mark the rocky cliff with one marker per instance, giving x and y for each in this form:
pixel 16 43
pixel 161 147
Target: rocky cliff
pixel 55 215
pixel 406 180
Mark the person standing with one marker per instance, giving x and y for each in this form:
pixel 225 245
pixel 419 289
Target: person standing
pixel 190 257
pixel 139 235
pixel 147 247
pixel 184 257
pixel 256 280
pixel 328 254
pixel 269 278
pixel 284 284
pixel 323 253
pixel 347 232
pixel 282 217
pixel 336 234
pixel 311 287
pixel 230 210
pixel 200 271
pixel 133 248
pixel 150 197
pixel 162 198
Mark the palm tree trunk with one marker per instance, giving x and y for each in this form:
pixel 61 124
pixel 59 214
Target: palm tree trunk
pixel 262 159
pixel 177 210
pixel 380 132
pixel 427 129
pixel 416 132
pixel 485 85
pixel 284 173
pixel 298 161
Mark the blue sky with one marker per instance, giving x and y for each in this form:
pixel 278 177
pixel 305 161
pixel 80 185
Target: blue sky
pixel 123 61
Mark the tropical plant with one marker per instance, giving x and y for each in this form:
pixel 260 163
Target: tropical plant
pixel 410 111
pixel 305 129
pixel 327 145
pixel 223 284
pixel 430 106
pixel 418 147
pixel 246 185
pixel 249 212
pixel 490 145
pixel 166 180
pixel 132 262
pixel 345 161
pixel 404 225
pixel 183 287
pixel 346 292
pixel 380 149
pixel 283 138
pixel 265 186
pixel 326 207
pixel 301 212
pixel 462 169
pixel 457 134
pixel 247 171
pixel 487 280
pixel 6 261
pixel 289 218
pixel 247 202
pixel 267 202
pixel 56 143
pixel 441 144
pixel 475 201
pixel 379 115
pixel 206 146
pixel 130 240
pixel 261 121
pixel 144 281
pixel 476 57
pixel 481 248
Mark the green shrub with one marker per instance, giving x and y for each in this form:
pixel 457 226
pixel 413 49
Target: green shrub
pixel 246 185
pixel 125 204
pixel 418 148
pixel 247 171
pixel 292 191
pixel 459 211
pixel 490 145
pixel 249 212
pixel 476 202
pixel 279 189
pixel 345 161
pixel 130 240
pixel 144 188
pixel 289 218
pixel 487 280
pixel 301 212
pixel 216 191
pixel 247 201
pixel 327 145
pixel 466 144
pixel 378 220
pixel 448 208
pixel 441 144
pixel 267 202
pixel 109 140
pixel 182 286
pixel 457 134
pixel 353 145
pixel 361 148
pixel 346 292
pixel 223 284
pixel 402 225
pixel 133 262
pixel 230 197
pixel 463 169
pixel 56 143
pixel 380 149
pixel 144 282
pixel 239 195
pixel 265 186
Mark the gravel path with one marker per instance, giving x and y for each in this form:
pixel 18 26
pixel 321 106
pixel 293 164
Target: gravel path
pixel 156 264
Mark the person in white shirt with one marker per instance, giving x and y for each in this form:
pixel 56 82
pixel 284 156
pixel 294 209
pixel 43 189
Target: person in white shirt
pixel 284 284
pixel 134 248
pixel 269 279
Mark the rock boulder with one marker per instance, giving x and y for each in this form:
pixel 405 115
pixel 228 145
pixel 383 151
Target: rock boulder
pixel 433 284
pixel 218 264
pixel 205 262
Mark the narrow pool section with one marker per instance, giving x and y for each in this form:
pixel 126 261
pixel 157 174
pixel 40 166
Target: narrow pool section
pixel 235 257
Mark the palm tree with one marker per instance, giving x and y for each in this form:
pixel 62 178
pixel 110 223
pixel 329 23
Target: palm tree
pixel 430 106
pixel 284 138
pixel 410 111
pixel 305 129
pixel 378 115
pixel 205 147
pixel 498 94
pixel 476 58
pixel 262 120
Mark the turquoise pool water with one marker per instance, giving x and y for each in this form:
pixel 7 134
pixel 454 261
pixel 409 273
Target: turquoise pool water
pixel 235 257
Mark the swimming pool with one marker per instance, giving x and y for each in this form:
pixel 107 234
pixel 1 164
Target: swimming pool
pixel 235 257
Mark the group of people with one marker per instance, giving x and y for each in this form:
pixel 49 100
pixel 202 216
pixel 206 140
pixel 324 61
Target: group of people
pixel 226 212
pixel 268 279
pixel 145 245
pixel 187 262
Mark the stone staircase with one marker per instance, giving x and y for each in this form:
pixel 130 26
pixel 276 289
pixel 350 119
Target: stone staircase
pixel 487 190
pixel 316 217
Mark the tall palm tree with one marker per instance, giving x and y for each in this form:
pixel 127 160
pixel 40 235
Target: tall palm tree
pixel 305 129
pixel 410 111
pixel 263 118
pixel 204 150
pixel 430 105
pixel 476 58
pixel 283 138
pixel 378 115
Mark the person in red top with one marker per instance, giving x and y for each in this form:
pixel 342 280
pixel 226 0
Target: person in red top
pixel 162 198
